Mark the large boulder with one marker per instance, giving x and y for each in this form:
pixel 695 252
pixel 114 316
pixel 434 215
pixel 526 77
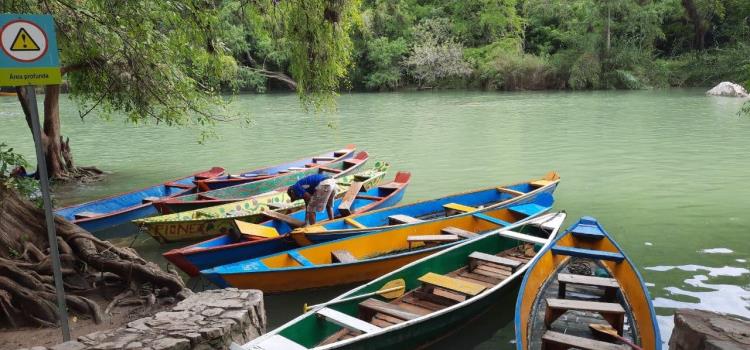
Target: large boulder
pixel 705 330
pixel 727 89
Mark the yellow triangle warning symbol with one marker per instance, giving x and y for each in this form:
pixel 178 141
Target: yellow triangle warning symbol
pixel 23 42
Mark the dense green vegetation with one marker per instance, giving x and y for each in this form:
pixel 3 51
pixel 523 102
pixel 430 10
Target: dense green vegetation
pixel 530 44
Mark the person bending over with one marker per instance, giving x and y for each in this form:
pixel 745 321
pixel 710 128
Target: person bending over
pixel 318 191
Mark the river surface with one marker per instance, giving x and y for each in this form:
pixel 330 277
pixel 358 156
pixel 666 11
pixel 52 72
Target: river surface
pixel 666 171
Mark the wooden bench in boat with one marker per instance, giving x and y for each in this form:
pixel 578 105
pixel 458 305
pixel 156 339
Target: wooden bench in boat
pixel 476 257
pixel 295 168
pixel 609 285
pixel 509 191
pixel 354 223
pixel 150 200
pixel 250 229
pixel 85 215
pixel 347 321
pixel 330 170
pixel 554 341
pixel 372 306
pixel 465 288
pixel 299 258
pixel 390 186
pixel 402 219
pixel 342 256
pixel 345 206
pixel 541 183
pixel 322 159
pixel 587 253
pixel 348 163
pixel 275 342
pixel 285 218
pixel 450 230
pixel 455 209
pixel 369 198
pixel 431 239
pixel 612 312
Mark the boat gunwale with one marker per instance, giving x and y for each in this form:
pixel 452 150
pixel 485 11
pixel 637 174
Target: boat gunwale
pixel 434 314
pixel 350 149
pixel 218 170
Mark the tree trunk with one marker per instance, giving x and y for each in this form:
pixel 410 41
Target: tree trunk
pixel 57 153
pixel 89 266
pixel 699 25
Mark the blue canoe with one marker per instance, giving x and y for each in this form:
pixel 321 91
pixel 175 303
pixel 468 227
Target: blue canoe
pixel 245 176
pixel 223 250
pixel 118 209
pixel 227 248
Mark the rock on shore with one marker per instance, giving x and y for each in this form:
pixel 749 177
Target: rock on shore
pixel 727 89
pixel 208 320
pixel 705 330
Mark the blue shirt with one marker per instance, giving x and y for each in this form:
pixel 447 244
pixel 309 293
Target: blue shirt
pixel 308 184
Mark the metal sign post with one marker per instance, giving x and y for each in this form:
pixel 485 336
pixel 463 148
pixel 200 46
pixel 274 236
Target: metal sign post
pixel 28 57
pixel 62 312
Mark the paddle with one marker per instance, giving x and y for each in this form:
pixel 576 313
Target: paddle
pixel 390 290
pixel 608 331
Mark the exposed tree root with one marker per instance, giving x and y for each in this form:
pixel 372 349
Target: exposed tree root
pixel 27 293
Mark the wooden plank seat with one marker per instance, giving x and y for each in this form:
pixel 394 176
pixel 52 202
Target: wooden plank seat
pixel 250 229
pixel 354 223
pixel 347 321
pixel 402 219
pixel 527 209
pixel 282 217
pixel 373 306
pixel 369 198
pixel 612 312
pixel 150 199
pixel 450 230
pixel 431 239
pixel 322 159
pixel 509 191
pixel 345 206
pixel 476 257
pixel 588 253
pixel 85 215
pixel 276 342
pixel 455 209
pixel 342 256
pixel 541 183
pixel 432 280
pixel 609 285
pixel 554 340
pixel 299 258
pixel 330 170
pixel 491 219
pixel 351 162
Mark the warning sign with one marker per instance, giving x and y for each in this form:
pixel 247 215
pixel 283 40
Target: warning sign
pixel 28 50
pixel 24 42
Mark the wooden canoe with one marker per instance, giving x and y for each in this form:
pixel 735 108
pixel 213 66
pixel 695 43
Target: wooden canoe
pixel 228 248
pixel 427 210
pixel 586 271
pixel 244 191
pixel 443 292
pixel 216 220
pixel 121 208
pixel 267 172
pixel 369 255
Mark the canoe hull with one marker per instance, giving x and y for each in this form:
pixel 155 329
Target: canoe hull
pixel 193 260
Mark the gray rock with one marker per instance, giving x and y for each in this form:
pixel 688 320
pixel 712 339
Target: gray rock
pixel 171 344
pixel 727 89
pixel 69 345
pixel 705 330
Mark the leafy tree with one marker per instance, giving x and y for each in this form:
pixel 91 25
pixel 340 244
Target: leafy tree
pixel 436 55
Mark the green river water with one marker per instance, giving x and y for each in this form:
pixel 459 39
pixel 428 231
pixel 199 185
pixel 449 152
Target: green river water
pixel 666 172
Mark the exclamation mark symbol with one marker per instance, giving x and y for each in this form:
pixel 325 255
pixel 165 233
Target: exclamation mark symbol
pixel 23 38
